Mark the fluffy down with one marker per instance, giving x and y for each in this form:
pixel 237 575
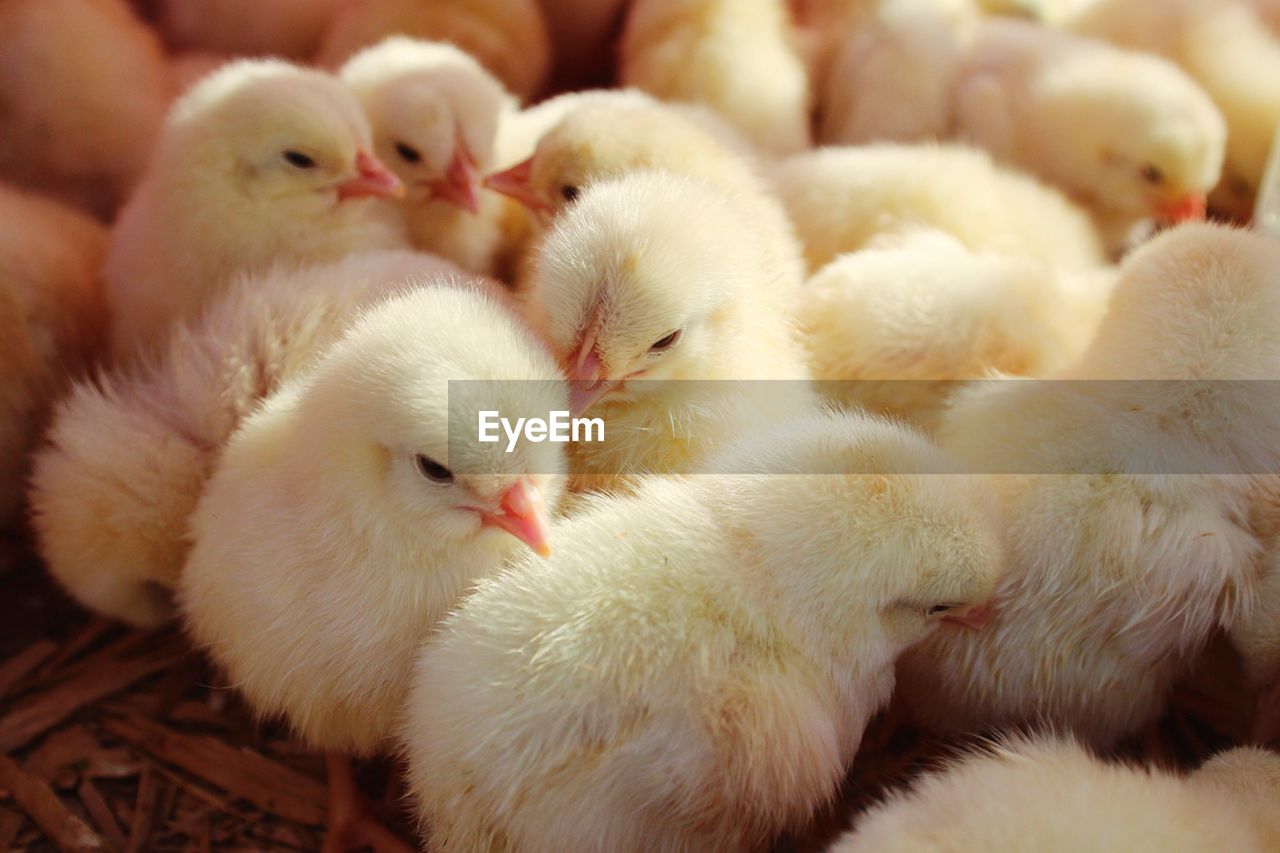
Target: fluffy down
pixel 129 453
pixel 285 28
pixel 1128 502
pixel 739 58
pixel 897 328
pixel 84 88
pixel 842 198
pixel 261 162
pixel 1048 796
pixel 509 37
pixel 53 322
pixel 345 519
pixel 694 666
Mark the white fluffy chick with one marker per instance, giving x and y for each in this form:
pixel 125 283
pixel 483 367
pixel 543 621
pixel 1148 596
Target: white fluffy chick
pixel 84 86
pixel 843 198
pixel 128 455
pixel 693 667
pixel 54 322
pixel 897 328
pixel 1127 502
pixel 1223 45
pixel 1050 796
pixel 262 162
pixel 1256 633
pixel 509 37
pixel 286 28
pixel 435 113
pixel 1128 135
pixel 1249 777
pixel 739 58
pixel 647 284
pixel 351 511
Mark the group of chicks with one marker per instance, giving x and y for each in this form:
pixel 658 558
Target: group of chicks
pixel 250 402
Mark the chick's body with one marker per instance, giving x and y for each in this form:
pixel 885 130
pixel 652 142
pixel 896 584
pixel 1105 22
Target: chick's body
pixel 1128 502
pixel 129 454
pixel 348 514
pixel 694 666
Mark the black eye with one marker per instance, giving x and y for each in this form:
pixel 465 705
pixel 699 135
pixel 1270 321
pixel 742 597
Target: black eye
pixel 666 343
pixel 297 158
pixel 939 609
pixel 569 193
pixel 408 153
pixel 433 470
pixel 1152 175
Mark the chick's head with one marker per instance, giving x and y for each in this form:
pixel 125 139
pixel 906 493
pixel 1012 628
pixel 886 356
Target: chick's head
pixel 635 282
pixel 434 112
pixel 272 136
pixel 1132 134
pixel 392 414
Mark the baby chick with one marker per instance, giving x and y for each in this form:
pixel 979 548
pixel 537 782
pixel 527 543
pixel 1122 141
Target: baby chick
pixel 1223 45
pixel 840 199
pixel 52 315
pixel 261 162
pixel 509 37
pixel 435 113
pixel 1127 501
pixel 284 28
pixel 740 58
pixel 1128 135
pixel 350 512
pixel 694 666
pixel 83 89
pixel 898 327
pixel 647 283
pixel 1051 796
pixel 128 455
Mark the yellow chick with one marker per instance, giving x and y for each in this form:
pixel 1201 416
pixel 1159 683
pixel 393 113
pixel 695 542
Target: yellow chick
pixel 286 28
pixel 897 328
pixel 648 283
pixel 1127 495
pixel 1224 45
pixel 351 511
pixel 261 162
pixel 1250 778
pixel 508 37
pixel 693 667
pixel 1051 796
pixel 1130 136
pixel 842 198
pixel 53 321
pixel 435 114
pixel 739 58
pixel 84 88
pixel 128 455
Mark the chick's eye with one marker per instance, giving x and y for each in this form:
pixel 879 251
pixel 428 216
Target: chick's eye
pixel 298 159
pixel 433 470
pixel 569 192
pixel 1152 175
pixel 408 153
pixel 939 609
pixel 666 343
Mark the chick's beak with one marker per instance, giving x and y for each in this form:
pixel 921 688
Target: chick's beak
pixel 587 380
pixel 372 180
pixel 516 182
pixel 974 618
pixel 460 182
pixel 523 514
pixel 1188 207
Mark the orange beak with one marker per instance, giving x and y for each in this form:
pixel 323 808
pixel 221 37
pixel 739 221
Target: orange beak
pixel 974 618
pixel 523 514
pixel 1190 206
pixel 461 180
pixel 372 180
pixel 516 182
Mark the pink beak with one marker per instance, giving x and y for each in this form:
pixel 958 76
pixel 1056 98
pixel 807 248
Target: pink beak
pixel 516 182
pixel 523 514
pixel 587 382
pixel 1192 206
pixel 460 181
pixel 974 618
pixel 372 180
